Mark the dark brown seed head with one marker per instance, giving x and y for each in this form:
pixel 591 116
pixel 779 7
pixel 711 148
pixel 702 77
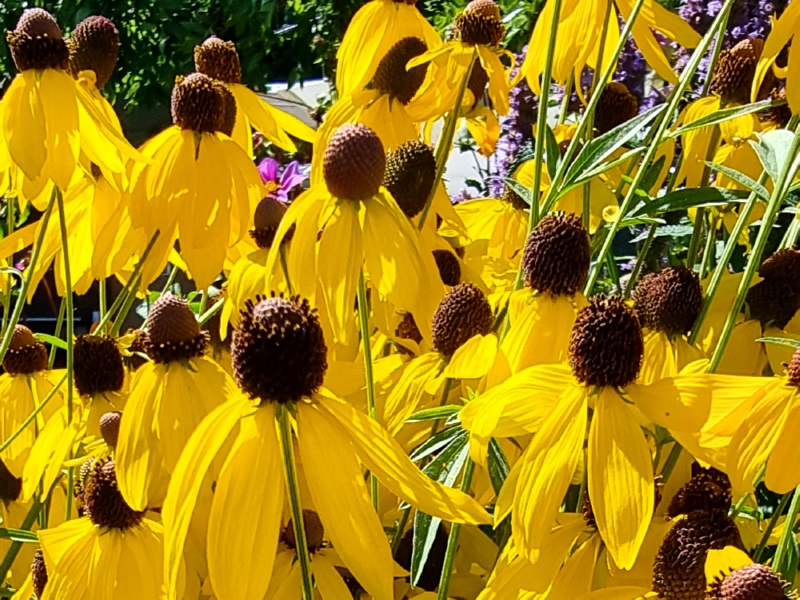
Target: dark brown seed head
pixel 783 264
pixel 94 46
pixel 751 582
pixel 606 346
pixel 38 573
pixel 109 427
pixel 557 255
pixel 679 567
pixel 429 579
pixel 778 115
pixel 449 267
pixel 463 313
pixel 10 486
pixel 172 331
pixel 315 532
pixel 219 60
pixel 774 301
pixel 98 365
pixel 480 24
pixel 410 174
pixel 103 501
pixel 266 221
pixel 793 372
pixel 669 300
pixel 37 42
pixel 616 106
pixel 478 80
pixel 706 490
pixel 198 103
pixel 392 78
pixel 512 197
pixel 733 75
pixel 279 352
pixel 408 330
pixel 229 111
pixel 25 354
pixel 354 163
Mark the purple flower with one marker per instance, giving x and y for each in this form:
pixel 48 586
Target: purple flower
pixel 280 184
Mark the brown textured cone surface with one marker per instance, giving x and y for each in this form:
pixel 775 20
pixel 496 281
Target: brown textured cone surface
pixel 198 103
pixel 464 312
pixel 98 365
pixel 79 485
pixel 606 345
pixel 37 42
pixel 679 567
pixel 751 582
pixel 410 174
pixel 509 195
pixel 278 349
pixel 733 75
pixel 218 59
pixel 228 111
pixel 393 79
pixel 774 301
pixel 25 354
pixel 354 163
pixel 408 330
pixel 669 300
pixel 480 23
pixel 103 500
pixel 38 573
pixel 315 532
pixel 784 264
pixel 266 221
pixel 557 255
pixel 94 46
pixel 10 486
pixel 706 490
pixel 109 427
pixel 779 115
pixel 793 371
pixel 449 267
pixel 431 572
pixel 616 106
pixel 478 80
pixel 173 333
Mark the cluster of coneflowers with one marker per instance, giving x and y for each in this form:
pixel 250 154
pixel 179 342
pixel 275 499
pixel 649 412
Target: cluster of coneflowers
pixel 391 396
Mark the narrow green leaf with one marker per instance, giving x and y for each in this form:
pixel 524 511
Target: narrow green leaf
pixel 52 340
pixel 722 115
pixel 498 465
pixel 437 443
pixel 740 178
pixel 772 148
pixel 433 414
pixel 522 191
pixel 691 198
pixel 780 341
pixel 19 535
pixel 552 152
pixel 599 170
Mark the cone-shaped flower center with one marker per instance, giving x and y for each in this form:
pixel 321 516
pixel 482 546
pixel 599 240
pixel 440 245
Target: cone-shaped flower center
pixel 449 267
pixel 616 106
pixel 25 354
pixel 198 103
pixel 98 365
pixel 219 60
pixel 463 313
pixel 557 255
pixel 393 79
pixel 266 221
pixel 706 490
pixel 751 582
pixel 794 369
pixel 172 331
pixel 228 111
pixel 278 349
pixel 408 330
pixel 480 23
pixel 733 75
pixel 776 298
pixel 109 427
pixel 38 573
pixel 669 300
pixel 103 500
pixel 37 42
pixel 354 163
pixel 409 177
pixel 94 46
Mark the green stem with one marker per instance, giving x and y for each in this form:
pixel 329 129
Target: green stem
pixel 697 235
pixel 126 308
pixel 663 123
pixel 102 298
pixel 285 268
pixel 788 530
pixel 293 488
pixel 562 115
pixel 637 268
pixel 740 504
pixel 215 308
pixel 11 555
pixel 708 251
pixel 776 200
pixel 398 535
pixel 70 310
pixel 762 544
pixel 452 538
pixel 173 274
pixel 601 48
pixel 62 310
pixel 792 233
pixel 672 460
pixel 363 318
pixel 6 443
pixel 26 283
pixel 446 138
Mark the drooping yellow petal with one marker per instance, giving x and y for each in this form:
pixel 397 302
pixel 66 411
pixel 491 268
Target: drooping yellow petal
pixel 140 573
pixel 67 551
pixel 621 484
pixel 474 358
pixel 783 466
pixel 24 126
pixel 263 117
pixel 575 577
pixel 721 562
pixel 329 582
pixel 384 457
pixel 245 517
pixel 340 496
pixel 782 31
pixel 546 472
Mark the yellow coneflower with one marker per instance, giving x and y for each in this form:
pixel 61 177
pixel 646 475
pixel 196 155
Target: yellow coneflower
pixel 108 554
pixel 280 362
pixel 376 27
pixel 731 574
pixel 783 30
pixel 349 221
pixel 201 187
pixel 169 398
pixel 580 29
pixel 48 119
pixel 220 61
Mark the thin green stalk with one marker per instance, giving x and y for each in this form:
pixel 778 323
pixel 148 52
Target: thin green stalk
pixel 126 308
pixel 663 123
pixel 363 319
pixel 207 315
pixel 708 251
pixel 203 301
pixel 452 538
pixel 27 524
pixel 102 298
pixel 788 530
pixel 792 233
pixel 30 418
pixel 562 115
pixel 762 544
pixel 754 262
pixel 446 138
pixel 173 273
pixel 293 488
pixel 637 268
pixel 697 234
pixel 9 231
pixel 70 314
pixel 669 464
pixel 740 504
pixel 285 268
pixel 398 535
pixel 62 311
pixel 602 47
pixel 448 384
pixel 26 283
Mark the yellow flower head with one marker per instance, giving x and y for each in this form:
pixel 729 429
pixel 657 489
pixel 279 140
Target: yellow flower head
pixel 783 30
pixel 731 574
